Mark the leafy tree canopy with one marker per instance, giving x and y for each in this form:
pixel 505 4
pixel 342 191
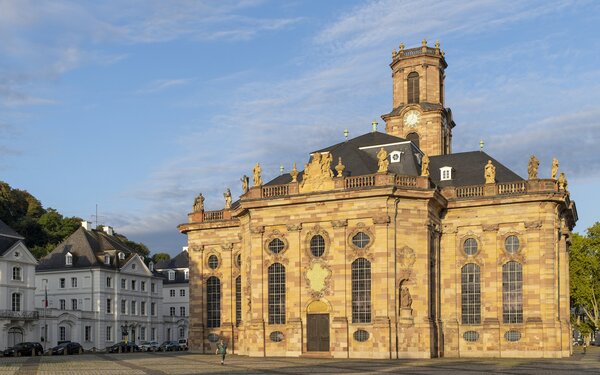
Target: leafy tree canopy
pixel 584 270
pixel 158 257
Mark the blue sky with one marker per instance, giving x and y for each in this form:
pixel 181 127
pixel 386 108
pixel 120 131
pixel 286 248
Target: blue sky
pixel 138 106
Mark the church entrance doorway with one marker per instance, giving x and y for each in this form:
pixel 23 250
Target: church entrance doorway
pixel 317 332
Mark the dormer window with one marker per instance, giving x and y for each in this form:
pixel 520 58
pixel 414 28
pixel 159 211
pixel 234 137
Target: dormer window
pixel 107 259
pixel 151 266
pixel 121 256
pixel 171 275
pixel 69 259
pixel 186 274
pixel 445 173
pixel 396 156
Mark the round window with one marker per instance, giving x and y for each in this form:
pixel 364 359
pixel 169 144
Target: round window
pixel 317 245
pixel 512 335
pixel 511 244
pixel 470 246
pixel 213 337
pixel 361 335
pixel 361 240
pixel 471 336
pixel 213 262
pixel 276 246
pixel 276 336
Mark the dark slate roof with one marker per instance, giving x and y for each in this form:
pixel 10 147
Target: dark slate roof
pixel 179 277
pixel 88 248
pixel 8 238
pixel 359 156
pixel 468 169
pixel 182 260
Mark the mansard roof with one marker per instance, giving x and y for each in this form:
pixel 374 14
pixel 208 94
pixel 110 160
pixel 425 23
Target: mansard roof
pixel 8 237
pixel 88 248
pixel 182 260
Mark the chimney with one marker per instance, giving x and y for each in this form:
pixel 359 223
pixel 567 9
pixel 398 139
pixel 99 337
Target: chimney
pixel 185 248
pixel 108 230
pixel 86 225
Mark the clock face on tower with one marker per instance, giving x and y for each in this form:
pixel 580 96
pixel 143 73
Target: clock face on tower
pixel 412 118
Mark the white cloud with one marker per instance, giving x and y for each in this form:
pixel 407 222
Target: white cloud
pixel 163 84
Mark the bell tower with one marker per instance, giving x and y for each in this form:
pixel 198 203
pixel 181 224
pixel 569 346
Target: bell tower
pixel 418 113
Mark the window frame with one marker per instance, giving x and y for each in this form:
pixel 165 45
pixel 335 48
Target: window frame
pixel 512 292
pixel 213 302
pixel 17 273
pixel 470 293
pixel 361 291
pixel 413 88
pixel 276 280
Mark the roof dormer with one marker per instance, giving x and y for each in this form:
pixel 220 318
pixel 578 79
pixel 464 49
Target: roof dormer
pixel 171 275
pixel 121 255
pixel 445 173
pixel 69 259
pixel 107 259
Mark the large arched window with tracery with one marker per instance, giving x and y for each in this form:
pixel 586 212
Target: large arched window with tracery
pixel 512 292
pixel 238 300
pixel 361 291
pixel 213 302
pixel 470 294
pixel 413 88
pixel 276 278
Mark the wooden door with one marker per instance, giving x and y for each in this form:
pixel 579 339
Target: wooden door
pixel 317 333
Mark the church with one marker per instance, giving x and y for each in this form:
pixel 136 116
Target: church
pixel 388 245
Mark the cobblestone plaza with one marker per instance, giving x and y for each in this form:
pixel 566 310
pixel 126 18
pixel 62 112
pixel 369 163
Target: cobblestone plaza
pixel 190 363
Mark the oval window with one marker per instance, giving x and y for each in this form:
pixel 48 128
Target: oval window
pixel 470 246
pixel 213 262
pixel 511 244
pixel 361 335
pixel 361 240
pixel 213 337
pixel 276 246
pixel 471 336
pixel 512 335
pixel 317 245
pixel 276 336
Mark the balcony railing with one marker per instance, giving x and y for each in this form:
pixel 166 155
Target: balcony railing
pixel 410 181
pixel 512 188
pixel 469 191
pixel 359 181
pixel 213 215
pixel 19 315
pixel 275 191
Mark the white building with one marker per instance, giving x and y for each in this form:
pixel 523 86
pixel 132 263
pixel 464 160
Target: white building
pixel 18 317
pixel 176 295
pixel 99 292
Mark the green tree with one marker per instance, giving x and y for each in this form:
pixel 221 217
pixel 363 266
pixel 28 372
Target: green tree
pixel 584 269
pixel 158 257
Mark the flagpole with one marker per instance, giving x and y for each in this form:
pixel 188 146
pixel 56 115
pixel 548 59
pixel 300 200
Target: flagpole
pixel 45 320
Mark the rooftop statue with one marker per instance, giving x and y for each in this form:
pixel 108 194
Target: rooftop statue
pixel 317 173
pixel 257 171
pixel 562 182
pixel 490 173
pixel 383 161
pixel 245 181
pixel 227 196
pixel 532 168
pixel 425 165
pixel 198 203
pixel 554 168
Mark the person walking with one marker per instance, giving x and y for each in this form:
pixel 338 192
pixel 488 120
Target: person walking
pixel 222 350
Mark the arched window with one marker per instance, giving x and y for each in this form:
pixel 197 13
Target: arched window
pixel 16 302
pixel 471 294
pixel 413 88
pixel 512 292
pixel 276 293
pixel 414 138
pixel 361 291
pixel 17 275
pixel 238 300
pixel 213 302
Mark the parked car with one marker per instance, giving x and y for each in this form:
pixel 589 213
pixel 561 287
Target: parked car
pixel 123 347
pixel 183 344
pixel 169 346
pixel 24 348
pixel 67 348
pixel 149 346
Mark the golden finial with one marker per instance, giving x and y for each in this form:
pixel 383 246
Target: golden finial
pixel 294 173
pixel 401 47
pixel 424 42
pixel 481 143
pixel 437 44
pixel 339 167
pixel 281 169
pixel 346 134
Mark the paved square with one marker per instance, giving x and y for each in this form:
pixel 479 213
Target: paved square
pixel 190 363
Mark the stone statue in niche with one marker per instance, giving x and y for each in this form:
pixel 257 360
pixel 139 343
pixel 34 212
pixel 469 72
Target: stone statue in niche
pixel 227 196
pixel 405 298
pixel 425 165
pixel 554 168
pixel 532 168
pixel 256 172
pixel 198 203
pixel 382 161
pixel 490 173
pixel 245 181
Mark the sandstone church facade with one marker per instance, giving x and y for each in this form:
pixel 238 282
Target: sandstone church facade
pixel 388 245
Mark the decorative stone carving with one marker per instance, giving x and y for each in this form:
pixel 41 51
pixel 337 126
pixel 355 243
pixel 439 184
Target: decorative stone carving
pixel 294 227
pixel 532 168
pixel 316 230
pixel 196 248
pixel 533 224
pixel 562 182
pixel 425 165
pixel 554 168
pixel 382 161
pixel 227 247
pixel 405 298
pixel 381 219
pixel 245 181
pixel 339 168
pixel 357 252
pixel 227 196
pixel 198 203
pixel 406 257
pixel 339 223
pixel 490 227
pixel 318 277
pixel 490 173
pixel 317 174
pixel 294 173
pixel 257 229
pixel 273 235
pixel 256 172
